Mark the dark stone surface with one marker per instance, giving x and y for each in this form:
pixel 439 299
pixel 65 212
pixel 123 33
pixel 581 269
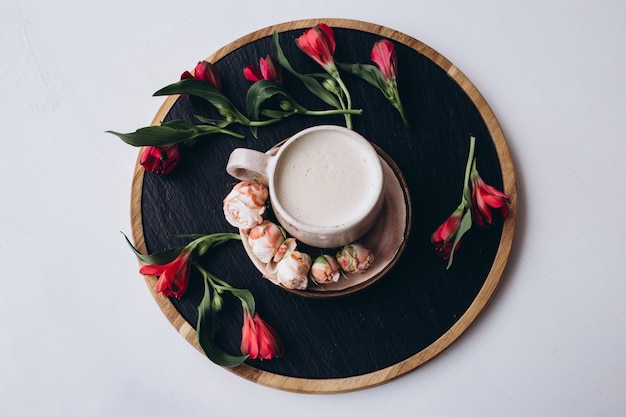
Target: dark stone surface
pixel 419 299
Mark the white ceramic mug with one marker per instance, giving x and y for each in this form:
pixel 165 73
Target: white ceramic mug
pixel 325 184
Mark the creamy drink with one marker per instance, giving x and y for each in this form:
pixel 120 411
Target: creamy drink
pixel 324 180
pixel 325 184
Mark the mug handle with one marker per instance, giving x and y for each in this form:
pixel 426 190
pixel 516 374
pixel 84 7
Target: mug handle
pixel 249 165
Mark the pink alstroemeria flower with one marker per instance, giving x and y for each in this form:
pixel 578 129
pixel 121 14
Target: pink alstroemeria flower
pixel 259 339
pixel 489 204
pixel 384 56
pixel 443 237
pixel 204 71
pixel 173 277
pixel 319 44
pixel 160 160
pixel 269 70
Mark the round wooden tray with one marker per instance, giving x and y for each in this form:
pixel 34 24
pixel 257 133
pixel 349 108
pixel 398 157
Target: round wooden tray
pixel 419 308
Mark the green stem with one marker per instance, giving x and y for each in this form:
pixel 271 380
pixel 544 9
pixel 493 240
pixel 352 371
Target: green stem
pixel 331 112
pixel 222 237
pixel 212 279
pixel 398 105
pixel 245 296
pixel 468 169
pixel 260 123
pixel 231 133
pixel 348 117
pixel 345 90
pixel 465 207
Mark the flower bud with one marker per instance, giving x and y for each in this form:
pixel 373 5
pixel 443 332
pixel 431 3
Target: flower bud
pixel 259 340
pixel 244 206
pixel 331 85
pixel 286 105
pixel 252 73
pixel 173 276
pixel 325 269
pixel 288 246
pixel 207 72
pixel 217 302
pixel 488 203
pixel 228 115
pixel 384 56
pixel 443 238
pixel 265 239
pixel 292 270
pixel 271 70
pixel 355 258
pixel 319 44
pixel 160 160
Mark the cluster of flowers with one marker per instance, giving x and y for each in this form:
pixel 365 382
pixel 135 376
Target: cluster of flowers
pixel 245 207
pixel 480 203
pixel 162 144
pixel 259 340
pixel 161 160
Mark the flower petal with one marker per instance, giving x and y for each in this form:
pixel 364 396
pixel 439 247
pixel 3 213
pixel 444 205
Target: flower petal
pixel 252 73
pixel 383 55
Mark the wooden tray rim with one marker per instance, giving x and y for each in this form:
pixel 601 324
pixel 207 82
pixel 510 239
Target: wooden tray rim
pixel 338 385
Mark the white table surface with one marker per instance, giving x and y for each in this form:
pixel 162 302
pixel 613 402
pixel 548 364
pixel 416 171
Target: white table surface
pixel 550 343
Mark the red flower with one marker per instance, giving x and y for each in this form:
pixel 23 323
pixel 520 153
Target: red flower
pixel 173 277
pixel 488 203
pixel 160 160
pixel 206 72
pixel 259 339
pixel 384 56
pixel 270 70
pixel 443 237
pixel 319 44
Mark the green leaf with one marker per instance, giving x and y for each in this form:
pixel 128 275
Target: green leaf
pixel 157 136
pixel 464 226
pixel 372 75
pixel 316 88
pixel 169 133
pixel 157 258
pixel 204 329
pixel 277 114
pixel 309 81
pixel 206 91
pixel 217 237
pixel 369 73
pixel 244 295
pixel 215 122
pixel 263 90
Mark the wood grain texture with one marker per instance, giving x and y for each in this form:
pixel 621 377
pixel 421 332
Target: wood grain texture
pixel 485 292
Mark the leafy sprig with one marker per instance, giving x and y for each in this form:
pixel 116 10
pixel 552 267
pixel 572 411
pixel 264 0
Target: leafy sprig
pixel 262 91
pixel 374 76
pixel 465 206
pixel 171 133
pixel 213 289
pixel 328 87
pixel 310 81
